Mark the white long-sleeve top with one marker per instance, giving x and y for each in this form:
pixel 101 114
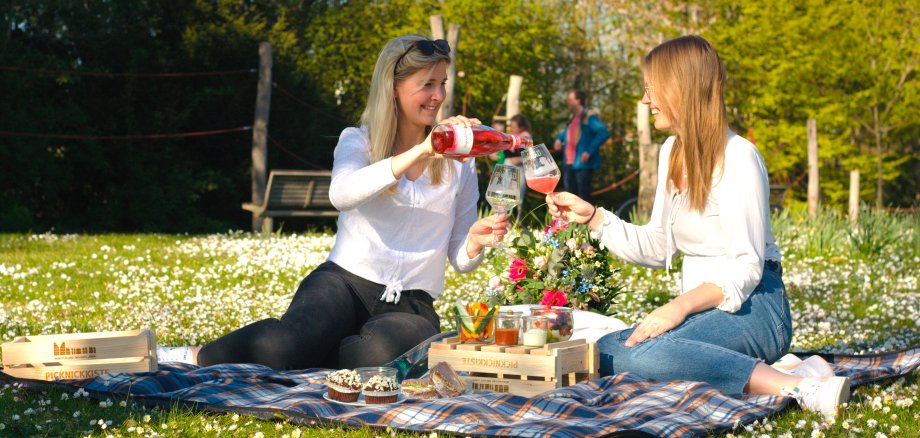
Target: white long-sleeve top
pixel 725 245
pixel 399 239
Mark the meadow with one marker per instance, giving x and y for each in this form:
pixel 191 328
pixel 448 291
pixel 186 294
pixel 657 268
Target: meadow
pixel 853 289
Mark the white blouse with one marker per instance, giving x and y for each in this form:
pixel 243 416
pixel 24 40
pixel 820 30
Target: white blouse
pixel 725 245
pixel 399 239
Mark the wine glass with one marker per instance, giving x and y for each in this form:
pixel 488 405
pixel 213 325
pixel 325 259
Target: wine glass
pixel 504 191
pixel 541 170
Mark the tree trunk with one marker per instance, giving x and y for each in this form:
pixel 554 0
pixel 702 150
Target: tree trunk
pixel 260 135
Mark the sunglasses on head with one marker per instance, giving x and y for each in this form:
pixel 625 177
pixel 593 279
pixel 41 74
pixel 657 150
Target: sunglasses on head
pixel 427 47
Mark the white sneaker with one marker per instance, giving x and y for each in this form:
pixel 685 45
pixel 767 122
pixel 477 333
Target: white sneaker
pixel 176 354
pixel 787 363
pixel 813 366
pixel 821 395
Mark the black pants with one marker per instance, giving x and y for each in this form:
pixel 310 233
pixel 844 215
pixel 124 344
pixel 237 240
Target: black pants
pixel 336 320
pixel 578 181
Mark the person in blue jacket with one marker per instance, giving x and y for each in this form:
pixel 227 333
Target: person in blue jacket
pixel 582 139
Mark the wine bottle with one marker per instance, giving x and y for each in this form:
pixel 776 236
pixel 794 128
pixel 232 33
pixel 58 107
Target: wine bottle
pixel 459 141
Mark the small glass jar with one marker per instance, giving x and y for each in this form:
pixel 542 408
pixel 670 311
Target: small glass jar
pixel 475 329
pixel 535 332
pixel 560 322
pixel 367 372
pixel 507 328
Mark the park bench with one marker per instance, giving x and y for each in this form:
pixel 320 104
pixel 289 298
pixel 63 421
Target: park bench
pixel 296 193
pixel 777 197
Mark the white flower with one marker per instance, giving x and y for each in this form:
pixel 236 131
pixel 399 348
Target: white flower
pixel 871 423
pixel 539 262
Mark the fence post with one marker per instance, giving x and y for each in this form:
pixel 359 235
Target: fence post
pixel 260 135
pixel 813 187
pixel 648 162
pixel 854 195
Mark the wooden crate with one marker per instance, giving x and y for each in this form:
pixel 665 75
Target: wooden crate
pixel 518 370
pixel 80 355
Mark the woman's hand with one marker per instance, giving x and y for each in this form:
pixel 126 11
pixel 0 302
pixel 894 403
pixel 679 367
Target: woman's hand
pixel 659 321
pixel 569 207
pixel 482 232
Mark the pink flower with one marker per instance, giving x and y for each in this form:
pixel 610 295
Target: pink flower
pixel 517 270
pixel 554 298
pixel 555 227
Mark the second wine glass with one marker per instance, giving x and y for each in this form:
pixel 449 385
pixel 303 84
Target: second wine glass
pixel 504 192
pixel 541 170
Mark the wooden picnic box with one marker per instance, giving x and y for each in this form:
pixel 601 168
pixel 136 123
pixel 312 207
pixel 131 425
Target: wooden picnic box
pixel 518 370
pixel 80 355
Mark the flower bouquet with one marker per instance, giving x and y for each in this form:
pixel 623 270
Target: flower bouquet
pixel 556 266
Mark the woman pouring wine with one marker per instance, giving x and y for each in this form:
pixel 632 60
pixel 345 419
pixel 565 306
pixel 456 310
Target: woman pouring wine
pixel 404 210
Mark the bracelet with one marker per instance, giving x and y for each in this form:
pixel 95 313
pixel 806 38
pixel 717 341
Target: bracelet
pixel 588 222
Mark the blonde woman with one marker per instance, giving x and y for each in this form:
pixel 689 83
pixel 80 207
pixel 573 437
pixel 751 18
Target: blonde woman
pixel 404 211
pixel 732 316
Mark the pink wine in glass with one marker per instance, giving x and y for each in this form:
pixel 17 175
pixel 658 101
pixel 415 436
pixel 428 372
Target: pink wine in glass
pixel 478 140
pixel 543 184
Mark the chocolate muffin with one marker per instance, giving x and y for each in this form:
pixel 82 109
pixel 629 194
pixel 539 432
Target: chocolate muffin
pixel 344 386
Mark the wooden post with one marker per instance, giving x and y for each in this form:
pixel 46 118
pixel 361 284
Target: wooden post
pixel 813 187
pixel 447 108
pixel 648 162
pixel 260 135
pixel 512 107
pixel 854 195
pixel 437 26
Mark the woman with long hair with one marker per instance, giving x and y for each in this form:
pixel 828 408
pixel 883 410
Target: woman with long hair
pixel 404 211
pixel 732 316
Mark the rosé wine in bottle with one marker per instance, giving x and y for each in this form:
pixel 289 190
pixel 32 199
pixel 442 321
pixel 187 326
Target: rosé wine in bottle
pixel 459 141
pixel 543 184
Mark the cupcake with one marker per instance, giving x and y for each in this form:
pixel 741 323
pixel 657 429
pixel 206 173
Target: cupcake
pixel 380 389
pixel 344 386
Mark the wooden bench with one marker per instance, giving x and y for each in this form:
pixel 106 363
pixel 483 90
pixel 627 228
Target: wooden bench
pixel 295 193
pixel 777 197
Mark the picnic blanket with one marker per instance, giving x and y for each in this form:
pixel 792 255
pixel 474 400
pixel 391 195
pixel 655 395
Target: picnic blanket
pixel 621 405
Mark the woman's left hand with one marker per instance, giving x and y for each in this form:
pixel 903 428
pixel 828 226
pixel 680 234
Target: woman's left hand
pixel 482 232
pixel 659 321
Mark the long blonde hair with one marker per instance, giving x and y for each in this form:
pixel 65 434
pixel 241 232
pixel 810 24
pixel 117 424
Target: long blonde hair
pixel 380 113
pixel 687 77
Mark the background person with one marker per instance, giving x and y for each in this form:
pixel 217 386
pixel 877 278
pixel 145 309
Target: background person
pixel 582 138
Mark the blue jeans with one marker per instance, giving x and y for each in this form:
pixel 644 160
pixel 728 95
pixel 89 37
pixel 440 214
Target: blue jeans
pixel 712 346
pixel 578 181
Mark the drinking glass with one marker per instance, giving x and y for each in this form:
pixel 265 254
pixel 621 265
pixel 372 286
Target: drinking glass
pixel 504 192
pixel 541 170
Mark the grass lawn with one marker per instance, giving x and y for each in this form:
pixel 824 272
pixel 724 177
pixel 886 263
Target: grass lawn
pixel 851 291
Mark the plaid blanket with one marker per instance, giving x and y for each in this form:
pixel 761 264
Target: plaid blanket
pixel 624 404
